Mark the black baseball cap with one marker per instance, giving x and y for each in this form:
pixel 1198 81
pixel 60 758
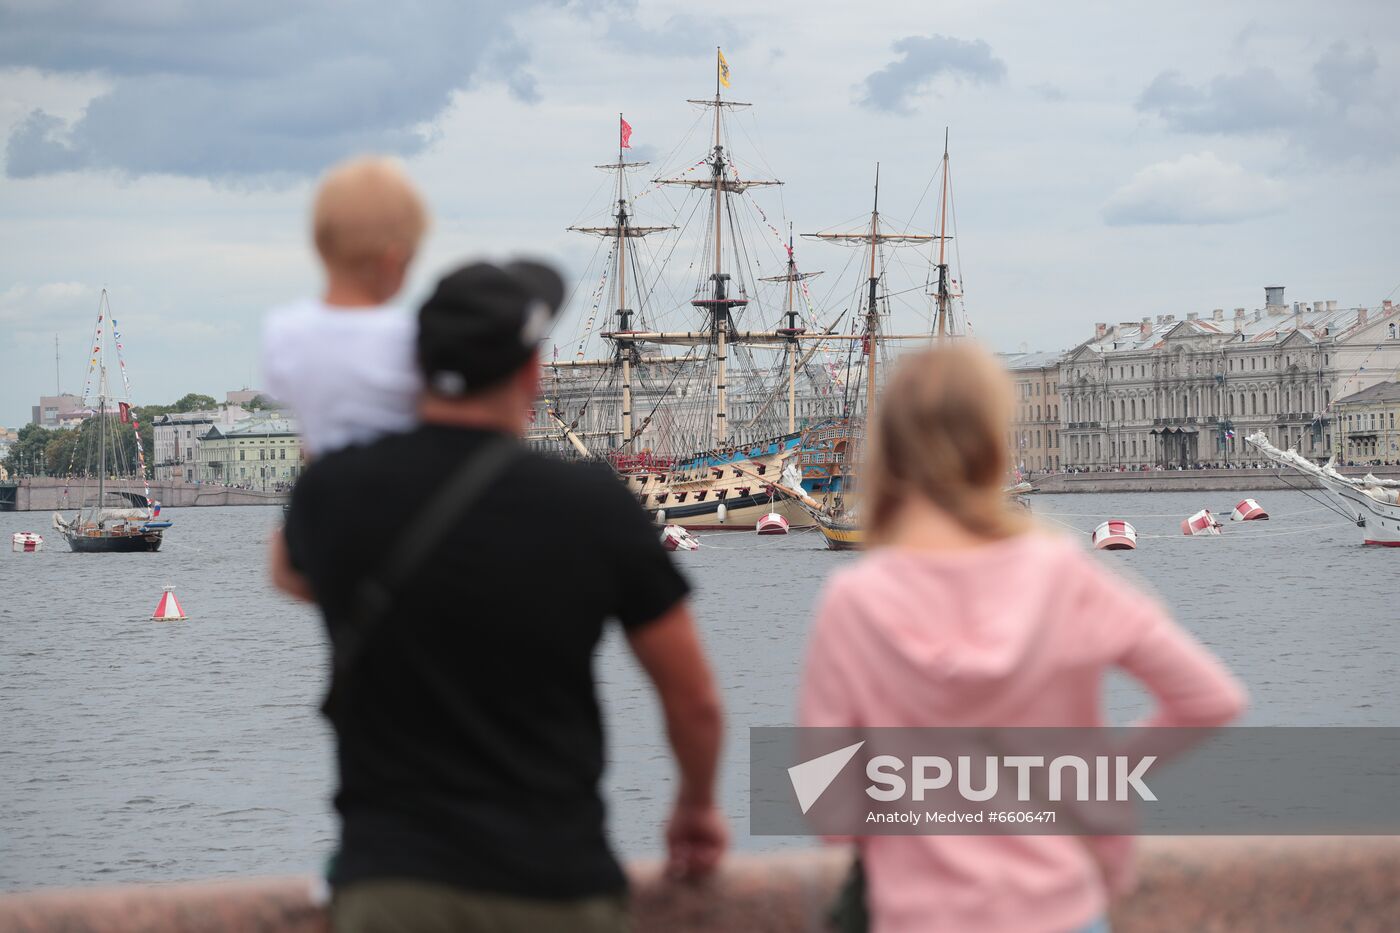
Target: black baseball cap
pixel 483 321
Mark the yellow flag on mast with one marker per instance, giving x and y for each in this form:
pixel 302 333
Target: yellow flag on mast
pixel 723 69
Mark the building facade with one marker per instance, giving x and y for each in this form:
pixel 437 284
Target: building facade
pixel 1367 425
pixel 56 411
pixel 1035 428
pixel 1177 393
pixel 241 397
pixel 259 453
pixel 669 413
pixel 176 436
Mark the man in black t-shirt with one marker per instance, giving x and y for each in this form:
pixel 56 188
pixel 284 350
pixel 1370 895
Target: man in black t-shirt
pixel 469 739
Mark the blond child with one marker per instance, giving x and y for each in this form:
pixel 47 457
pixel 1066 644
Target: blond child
pixel 344 363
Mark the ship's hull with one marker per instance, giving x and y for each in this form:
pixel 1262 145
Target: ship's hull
pixel 690 492
pixel 115 544
pixel 841 536
pixel 741 514
pixel 1382 521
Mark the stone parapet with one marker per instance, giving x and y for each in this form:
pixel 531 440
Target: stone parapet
pixel 1206 885
pixel 46 494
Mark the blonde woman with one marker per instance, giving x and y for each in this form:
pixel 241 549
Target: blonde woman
pixel 965 614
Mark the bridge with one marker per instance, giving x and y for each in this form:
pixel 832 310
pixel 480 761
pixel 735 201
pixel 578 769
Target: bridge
pixel 48 494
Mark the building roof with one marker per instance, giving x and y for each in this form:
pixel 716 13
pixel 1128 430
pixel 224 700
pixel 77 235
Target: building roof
pixel 1040 359
pixel 1259 327
pixel 254 427
pixel 1380 392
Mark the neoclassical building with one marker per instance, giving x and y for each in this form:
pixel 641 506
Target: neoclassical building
pixel 1035 426
pixel 1174 392
pixel 257 452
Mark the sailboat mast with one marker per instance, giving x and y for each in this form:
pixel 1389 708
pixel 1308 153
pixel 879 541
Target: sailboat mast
pixel 624 348
pixel 720 314
pixel 942 245
pixel 872 316
pixel 102 438
pixel 792 343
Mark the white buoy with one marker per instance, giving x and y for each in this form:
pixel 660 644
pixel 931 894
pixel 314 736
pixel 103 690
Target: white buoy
pixel 26 542
pixel 772 524
pixel 721 512
pixel 1249 511
pixel 168 609
pixel 1202 523
pixel 676 538
pixel 1115 535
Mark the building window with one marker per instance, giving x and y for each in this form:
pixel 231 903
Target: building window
pixel 242 455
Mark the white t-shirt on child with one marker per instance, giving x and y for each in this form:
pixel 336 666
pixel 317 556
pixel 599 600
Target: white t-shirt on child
pixel 349 374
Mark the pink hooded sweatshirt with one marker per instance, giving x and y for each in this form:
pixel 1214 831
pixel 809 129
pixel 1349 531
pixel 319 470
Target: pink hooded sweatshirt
pixel 1015 633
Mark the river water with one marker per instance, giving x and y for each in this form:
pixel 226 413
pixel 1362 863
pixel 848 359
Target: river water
pixel 138 751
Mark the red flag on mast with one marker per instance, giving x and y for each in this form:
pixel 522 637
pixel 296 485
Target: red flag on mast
pixel 626 132
pixel 125 410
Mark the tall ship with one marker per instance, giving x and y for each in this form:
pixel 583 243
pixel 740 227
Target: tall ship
pixel 835 449
pixel 739 402
pixel 111 515
pixel 699 404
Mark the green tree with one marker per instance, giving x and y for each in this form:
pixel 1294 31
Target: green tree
pixel 27 454
pixel 76 451
pixel 260 402
pixel 194 402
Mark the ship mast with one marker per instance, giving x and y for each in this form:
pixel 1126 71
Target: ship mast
pixel 872 238
pixel 101 437
pixel 720 310
pixel 625 349
pixel 790 331
pixel 872 314
pixel 623 230
pixel 942 329
pixel 718 305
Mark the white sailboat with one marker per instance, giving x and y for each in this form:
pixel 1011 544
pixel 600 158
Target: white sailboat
pixel 1373 503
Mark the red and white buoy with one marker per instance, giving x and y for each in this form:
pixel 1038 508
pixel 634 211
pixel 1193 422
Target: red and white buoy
pixel 676 538
pixel 772 524
pixel 168 609
pixel 26 542
pixel 1249 511
pixel 1115 535
pixel 1202 523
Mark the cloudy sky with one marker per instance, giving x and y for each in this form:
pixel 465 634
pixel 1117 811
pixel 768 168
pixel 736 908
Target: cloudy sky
pixel 1110 160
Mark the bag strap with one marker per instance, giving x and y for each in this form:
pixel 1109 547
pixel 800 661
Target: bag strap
pixel 374 596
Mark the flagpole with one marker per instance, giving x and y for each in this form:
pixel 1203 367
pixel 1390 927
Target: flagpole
pixel 619 141
pixel 718 53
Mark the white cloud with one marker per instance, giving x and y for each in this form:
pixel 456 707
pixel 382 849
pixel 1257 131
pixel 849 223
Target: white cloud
pixel 27 308
pixel 192 264
pixel 1194 189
